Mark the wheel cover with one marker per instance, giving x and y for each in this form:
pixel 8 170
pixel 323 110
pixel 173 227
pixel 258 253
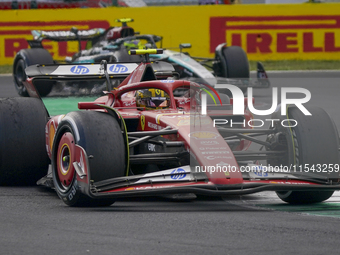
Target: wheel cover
pixel 65 158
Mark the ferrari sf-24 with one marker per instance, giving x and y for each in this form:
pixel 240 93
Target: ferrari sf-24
pixel 148 137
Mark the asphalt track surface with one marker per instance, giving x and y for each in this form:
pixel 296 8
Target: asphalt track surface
pixel 34 220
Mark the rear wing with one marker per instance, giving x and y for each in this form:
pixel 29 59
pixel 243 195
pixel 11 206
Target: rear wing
pixel 49 75
pixel 83 71
pixel 70 35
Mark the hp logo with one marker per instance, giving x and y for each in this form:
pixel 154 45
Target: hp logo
pixel 178 174
pixel 79 69
pixel 118 69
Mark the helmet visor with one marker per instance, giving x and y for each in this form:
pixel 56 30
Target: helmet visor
pixel 157 102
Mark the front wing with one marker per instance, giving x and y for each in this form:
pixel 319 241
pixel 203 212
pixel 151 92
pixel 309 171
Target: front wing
pixel 186 180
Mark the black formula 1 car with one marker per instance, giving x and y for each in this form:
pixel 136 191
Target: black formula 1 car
pixel 155 135
pixel 230 64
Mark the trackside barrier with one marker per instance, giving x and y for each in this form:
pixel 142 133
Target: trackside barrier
pixel 265 32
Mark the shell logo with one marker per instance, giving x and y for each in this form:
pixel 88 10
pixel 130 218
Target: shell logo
pixel 203 135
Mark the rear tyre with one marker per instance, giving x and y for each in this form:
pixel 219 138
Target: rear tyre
pixel 25 58
pixel 101 137
pixel 307 145
pixel 23 157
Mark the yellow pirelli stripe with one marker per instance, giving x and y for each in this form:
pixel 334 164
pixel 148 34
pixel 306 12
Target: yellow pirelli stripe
pixel 265 31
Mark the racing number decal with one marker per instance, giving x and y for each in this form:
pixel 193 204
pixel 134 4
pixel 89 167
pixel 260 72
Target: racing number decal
pixel 142 121
pixel 157 93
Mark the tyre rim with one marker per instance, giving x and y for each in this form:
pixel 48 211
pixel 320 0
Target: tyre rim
pixel 65 158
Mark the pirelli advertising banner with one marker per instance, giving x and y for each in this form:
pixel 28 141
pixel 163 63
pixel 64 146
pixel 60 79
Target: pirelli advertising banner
pixel 265 32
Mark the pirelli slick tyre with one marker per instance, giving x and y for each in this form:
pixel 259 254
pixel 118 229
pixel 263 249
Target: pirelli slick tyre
pixel 236 61
pixel 231 62
pixel 25 58
pixel 311 143
pixel 99 134
pixel 23 157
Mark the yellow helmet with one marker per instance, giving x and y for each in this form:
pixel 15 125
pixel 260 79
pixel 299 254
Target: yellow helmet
pixel 134 44
pixel 152 99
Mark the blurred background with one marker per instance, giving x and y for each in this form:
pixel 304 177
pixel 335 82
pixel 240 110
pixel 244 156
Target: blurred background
pixel 41 4
pixel 284 34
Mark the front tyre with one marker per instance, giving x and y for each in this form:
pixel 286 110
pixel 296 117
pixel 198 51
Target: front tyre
pixel 100 136
pixel 231 62
pixel 313 141
pixel 304 197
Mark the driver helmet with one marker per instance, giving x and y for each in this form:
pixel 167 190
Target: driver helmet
pixel 133 44
pixel 152 99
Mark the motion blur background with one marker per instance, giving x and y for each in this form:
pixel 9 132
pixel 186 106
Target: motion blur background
pixel 268 30
pixel 37 4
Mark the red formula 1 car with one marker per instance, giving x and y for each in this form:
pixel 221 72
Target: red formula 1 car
pixel 151 136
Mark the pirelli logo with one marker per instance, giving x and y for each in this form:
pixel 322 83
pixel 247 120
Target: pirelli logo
pixel 278 34
pixel 13 36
